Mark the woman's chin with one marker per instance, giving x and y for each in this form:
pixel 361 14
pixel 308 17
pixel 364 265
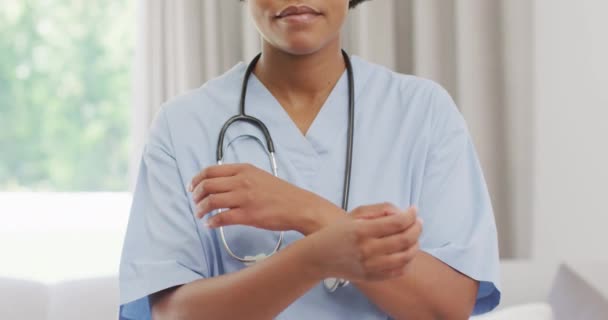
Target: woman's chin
pixel 301 50
pixel 301 47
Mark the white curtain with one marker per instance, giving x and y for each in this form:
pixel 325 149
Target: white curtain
pixel 479 50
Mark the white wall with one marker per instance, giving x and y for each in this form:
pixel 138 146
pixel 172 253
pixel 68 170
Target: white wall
pixel 571 129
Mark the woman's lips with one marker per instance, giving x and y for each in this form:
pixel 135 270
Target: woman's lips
pixel 298 14
pixel 300 18
pixel 297 10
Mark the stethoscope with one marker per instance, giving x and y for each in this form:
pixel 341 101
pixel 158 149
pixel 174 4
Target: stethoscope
pixel 331 284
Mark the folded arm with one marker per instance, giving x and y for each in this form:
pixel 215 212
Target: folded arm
pixel 428 288
pixel 265 289
pixel 261 291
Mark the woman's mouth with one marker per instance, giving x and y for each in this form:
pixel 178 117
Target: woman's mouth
pixel 298 14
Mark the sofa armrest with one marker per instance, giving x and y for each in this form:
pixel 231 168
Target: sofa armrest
pixel 23 299
pixel 96 298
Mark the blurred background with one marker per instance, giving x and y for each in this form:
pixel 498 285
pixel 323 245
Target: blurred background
pixel 80 82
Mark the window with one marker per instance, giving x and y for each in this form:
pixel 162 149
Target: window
pixel 65 104
pixel 65 95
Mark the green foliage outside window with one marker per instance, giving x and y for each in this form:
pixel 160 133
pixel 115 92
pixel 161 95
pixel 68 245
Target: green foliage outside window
pixel 65 94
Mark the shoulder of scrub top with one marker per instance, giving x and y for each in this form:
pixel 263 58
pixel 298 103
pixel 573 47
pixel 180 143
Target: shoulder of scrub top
pixel 216 97
pixel 431 101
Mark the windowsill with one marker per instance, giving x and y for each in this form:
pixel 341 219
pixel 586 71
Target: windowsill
pixel 53 237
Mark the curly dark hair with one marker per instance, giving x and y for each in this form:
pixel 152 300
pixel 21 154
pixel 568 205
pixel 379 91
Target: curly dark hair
pixel 351 3
pixel 354 3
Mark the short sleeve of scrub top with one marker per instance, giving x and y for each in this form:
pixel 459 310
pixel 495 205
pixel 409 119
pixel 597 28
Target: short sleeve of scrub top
pixel 411 147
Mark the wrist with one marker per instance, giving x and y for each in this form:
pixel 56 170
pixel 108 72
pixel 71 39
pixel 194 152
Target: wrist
pixel 319 213
pixel 309 259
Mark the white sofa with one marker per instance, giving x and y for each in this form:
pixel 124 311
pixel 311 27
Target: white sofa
pixel 91 299
pixel 523 282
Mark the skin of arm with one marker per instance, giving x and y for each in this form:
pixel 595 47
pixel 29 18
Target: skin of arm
pixel 265 289
pixel 261 291
pixel 427 289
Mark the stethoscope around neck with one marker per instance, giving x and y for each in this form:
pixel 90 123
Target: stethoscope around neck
pixel 331 284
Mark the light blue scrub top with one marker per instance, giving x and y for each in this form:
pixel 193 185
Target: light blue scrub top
pixel 411 147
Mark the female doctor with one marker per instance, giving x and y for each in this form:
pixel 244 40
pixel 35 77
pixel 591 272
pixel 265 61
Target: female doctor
pixel 365 158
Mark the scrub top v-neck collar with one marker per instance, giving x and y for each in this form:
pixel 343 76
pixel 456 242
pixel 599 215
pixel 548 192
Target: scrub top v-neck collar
pixel 304 151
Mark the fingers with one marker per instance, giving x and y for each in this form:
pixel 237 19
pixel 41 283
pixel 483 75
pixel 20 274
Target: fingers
pixel 389 225
pixel 388 265
pixel 395 243
pixel 389 244
pixel 227 218
pixel 374 214
pixel 216 201
pixel 213 185
pixel 224 170
pixel 375 211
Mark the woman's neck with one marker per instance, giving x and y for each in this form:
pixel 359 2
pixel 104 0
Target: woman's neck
pixel 301 84
pixel 293 78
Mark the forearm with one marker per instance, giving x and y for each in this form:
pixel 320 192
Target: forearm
pixel 429 289
pixel 260 291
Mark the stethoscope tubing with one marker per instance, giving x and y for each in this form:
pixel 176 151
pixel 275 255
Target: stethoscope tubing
pixel 330 284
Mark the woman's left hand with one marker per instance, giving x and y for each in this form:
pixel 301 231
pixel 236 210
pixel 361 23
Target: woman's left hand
pixel 255 198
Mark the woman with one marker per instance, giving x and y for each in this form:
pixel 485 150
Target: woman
pixel 411 149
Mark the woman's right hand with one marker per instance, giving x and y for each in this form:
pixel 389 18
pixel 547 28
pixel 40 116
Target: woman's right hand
pixel 376 244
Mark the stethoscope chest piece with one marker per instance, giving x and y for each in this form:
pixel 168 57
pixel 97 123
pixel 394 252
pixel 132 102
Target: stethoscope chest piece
pixel 251 260
pixel 332 284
